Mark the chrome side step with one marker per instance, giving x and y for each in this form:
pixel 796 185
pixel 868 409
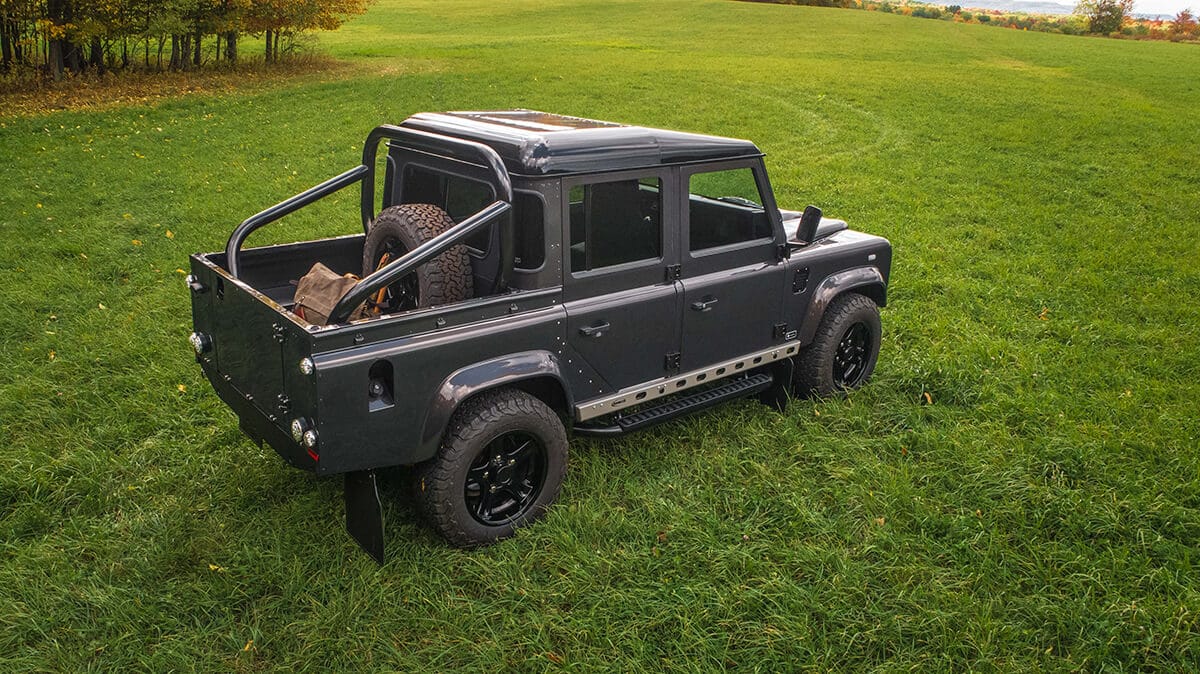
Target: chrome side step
pixel 677 407
pixel 644 393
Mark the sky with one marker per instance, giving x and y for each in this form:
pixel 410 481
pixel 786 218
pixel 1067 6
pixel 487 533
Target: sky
pixel 1171 7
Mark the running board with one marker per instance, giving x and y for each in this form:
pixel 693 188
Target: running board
pixel 678 407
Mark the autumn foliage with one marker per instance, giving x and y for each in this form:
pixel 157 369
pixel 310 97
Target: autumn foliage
pixel 53 37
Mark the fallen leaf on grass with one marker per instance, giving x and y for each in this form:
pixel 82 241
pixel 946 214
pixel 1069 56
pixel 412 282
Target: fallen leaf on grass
pixel 249 645
pixel 555 657
pixel 136 242
pixel 662 537
pixel 220 569
pixel 83 255
pixel 880 521
pixel 903 450
pixel 170 234
pixel 180 271
pixel 52 354
pixel 1045 315
pixel 101 305
pixel 928 398
pixel 182 388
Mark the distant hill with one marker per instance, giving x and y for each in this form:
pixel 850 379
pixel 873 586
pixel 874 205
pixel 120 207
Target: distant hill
pixel 1026 6
pixel 1046 7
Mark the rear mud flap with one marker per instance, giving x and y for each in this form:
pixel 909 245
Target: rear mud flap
pixel 364 512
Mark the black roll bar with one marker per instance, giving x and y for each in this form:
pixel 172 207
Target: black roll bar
pixel 455 148
pixel 404 265
pixel 432 143
pixel 234 245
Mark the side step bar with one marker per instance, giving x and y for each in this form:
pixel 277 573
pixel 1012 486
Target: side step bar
pixel 678 407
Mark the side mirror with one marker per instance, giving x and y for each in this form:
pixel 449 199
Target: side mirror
pixel 807 231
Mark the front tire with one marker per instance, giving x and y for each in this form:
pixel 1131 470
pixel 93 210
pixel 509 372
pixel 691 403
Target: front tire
pixel 844 350
pixel 500 466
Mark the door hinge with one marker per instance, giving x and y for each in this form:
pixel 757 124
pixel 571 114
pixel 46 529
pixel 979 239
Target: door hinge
pixel 672 362
pixel 782 332
pixel 782 252
pixel 279 333
pixel 674 272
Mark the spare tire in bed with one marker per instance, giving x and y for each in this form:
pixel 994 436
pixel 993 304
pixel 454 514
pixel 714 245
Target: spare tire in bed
pixel 398 230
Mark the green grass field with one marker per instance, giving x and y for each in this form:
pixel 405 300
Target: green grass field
pixel 1017 489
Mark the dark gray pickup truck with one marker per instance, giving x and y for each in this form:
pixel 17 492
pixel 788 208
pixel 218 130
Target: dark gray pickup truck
pixel 528 272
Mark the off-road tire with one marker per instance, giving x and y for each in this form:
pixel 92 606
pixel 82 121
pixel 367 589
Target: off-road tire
pixel 820 367
pixel 443 280
pixel 478 428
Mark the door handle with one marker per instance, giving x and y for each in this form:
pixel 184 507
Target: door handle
pixel 596 330
pixel 704 304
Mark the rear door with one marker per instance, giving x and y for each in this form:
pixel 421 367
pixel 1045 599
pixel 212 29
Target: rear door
pixel 622 302
pixel 731 274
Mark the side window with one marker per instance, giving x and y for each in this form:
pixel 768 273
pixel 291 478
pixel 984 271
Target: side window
pixel 615 223
pixel 529 231
pixel 459 197
pixel 724 207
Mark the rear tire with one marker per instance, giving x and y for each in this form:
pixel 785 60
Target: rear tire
pixel 500 466
pixel 844 350
pixel 398 230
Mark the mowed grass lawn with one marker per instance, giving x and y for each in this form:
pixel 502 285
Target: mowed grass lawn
pixel 1016 489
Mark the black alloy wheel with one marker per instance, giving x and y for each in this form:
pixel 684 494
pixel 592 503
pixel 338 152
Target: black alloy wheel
pixel 505 478
pixel 844 349
pixel 501 464
pixel 850 359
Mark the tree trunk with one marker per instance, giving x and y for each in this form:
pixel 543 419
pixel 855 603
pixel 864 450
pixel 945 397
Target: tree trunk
pixel 268 56
pixel 162 43
pixel 196 57
pixel 6 50
pixel 54 59
pixel 56 12
pixel 96 55
pixel 73 56
pixel 173 62
pixel 231 39
pixel 14 37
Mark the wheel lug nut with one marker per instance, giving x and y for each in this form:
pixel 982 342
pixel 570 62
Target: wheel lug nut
pixel 492 489
pixel 511 461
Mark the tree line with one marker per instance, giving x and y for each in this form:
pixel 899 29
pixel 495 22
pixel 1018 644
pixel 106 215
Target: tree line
pixel 1097 17
pixel 59 36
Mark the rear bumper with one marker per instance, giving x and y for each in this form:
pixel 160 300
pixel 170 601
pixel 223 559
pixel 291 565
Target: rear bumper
pixel 256 424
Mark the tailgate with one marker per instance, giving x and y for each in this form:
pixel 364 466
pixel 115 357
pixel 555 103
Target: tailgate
pixel 245 333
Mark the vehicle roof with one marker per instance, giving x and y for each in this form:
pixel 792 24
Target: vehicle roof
pixel 539 143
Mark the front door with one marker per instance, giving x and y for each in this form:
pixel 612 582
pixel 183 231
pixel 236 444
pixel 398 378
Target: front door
pixel 732 277
pixel 622 304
